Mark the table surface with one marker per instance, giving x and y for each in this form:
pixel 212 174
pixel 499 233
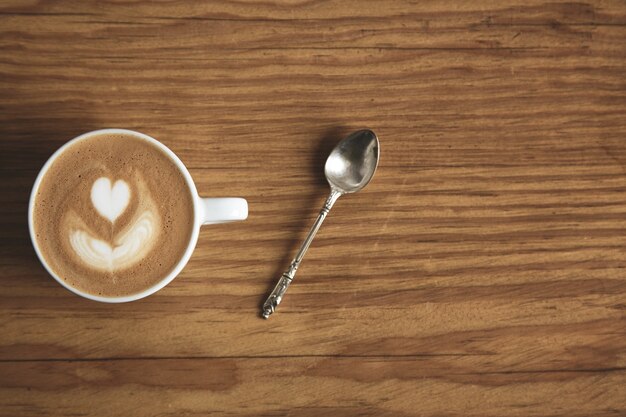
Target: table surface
pixel 481 273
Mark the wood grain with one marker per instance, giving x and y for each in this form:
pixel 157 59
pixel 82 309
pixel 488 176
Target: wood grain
pixel 481 273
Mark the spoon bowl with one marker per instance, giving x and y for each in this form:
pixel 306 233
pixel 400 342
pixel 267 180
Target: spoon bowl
pixel 351 165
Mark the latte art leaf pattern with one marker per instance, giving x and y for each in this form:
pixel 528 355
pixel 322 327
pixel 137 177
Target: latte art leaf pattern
pixel 129 245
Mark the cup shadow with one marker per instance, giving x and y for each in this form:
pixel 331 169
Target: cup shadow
pixel 314 201
pixel 29 138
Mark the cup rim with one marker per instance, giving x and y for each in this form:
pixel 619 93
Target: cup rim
pixel 194 233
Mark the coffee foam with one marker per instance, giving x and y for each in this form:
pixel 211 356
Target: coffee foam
pixel 113 215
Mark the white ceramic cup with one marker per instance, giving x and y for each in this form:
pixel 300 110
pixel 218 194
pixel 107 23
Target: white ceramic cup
pixel 206 211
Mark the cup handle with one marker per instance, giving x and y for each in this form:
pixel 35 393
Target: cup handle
pixel 223 210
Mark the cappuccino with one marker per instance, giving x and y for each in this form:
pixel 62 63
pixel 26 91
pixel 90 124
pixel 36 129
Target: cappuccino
pixel 113 215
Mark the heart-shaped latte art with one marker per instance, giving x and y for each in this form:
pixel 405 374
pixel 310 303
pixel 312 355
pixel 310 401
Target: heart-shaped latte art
pixel 110 200
pixel 126 245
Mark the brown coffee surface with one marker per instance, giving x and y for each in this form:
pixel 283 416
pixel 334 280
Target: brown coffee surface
pixel 113 215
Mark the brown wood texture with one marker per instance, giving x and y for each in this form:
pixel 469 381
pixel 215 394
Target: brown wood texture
pixel 481 273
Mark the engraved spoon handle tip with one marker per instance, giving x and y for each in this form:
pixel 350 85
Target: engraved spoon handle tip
pixel 277 294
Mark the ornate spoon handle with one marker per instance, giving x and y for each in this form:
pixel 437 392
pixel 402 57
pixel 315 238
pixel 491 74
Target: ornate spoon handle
pixel 283 283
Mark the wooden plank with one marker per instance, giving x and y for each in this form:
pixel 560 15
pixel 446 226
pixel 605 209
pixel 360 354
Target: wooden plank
pixel 423 114
pixel 441 385
pixel 507 12
pixel 415 85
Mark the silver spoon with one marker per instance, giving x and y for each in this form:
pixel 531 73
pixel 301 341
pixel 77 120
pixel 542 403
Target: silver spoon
pixel 349 168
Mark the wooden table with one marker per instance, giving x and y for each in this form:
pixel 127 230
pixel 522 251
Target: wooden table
pixel 481 273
